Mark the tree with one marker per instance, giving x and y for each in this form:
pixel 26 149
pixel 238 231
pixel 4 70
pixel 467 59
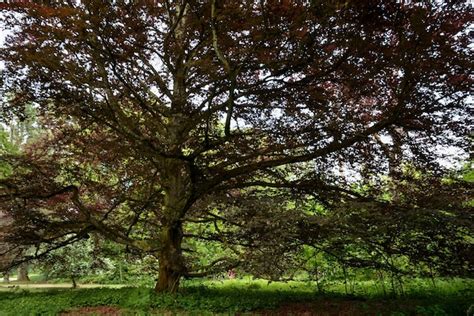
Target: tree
pixel 12 137
pixel 421 225
pixel 161 113
pixel 73 261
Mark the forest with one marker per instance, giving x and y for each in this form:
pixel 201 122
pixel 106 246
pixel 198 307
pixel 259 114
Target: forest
pixel 215 157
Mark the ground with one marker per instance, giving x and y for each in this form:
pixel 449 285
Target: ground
pixel 239 297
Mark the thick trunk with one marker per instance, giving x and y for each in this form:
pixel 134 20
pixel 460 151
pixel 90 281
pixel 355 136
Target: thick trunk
pixel 171 260
pixel 177 189
pixel 23 273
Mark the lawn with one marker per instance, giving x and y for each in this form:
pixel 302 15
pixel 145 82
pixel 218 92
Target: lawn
pixel 248 297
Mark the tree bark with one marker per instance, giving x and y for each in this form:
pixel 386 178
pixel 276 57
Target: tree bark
pixel 6 277
pixel 23 273
pixel 171 261
pixel 177 192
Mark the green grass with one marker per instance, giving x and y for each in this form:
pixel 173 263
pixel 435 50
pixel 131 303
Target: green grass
pixel 449 297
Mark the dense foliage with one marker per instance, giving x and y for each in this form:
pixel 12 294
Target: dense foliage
pixel 197 132
pixel 74 261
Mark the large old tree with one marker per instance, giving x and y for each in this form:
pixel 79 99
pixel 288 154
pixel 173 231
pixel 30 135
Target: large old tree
pixel 161 113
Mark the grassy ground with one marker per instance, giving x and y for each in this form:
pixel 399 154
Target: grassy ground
pixel 449 297
pixel 37 287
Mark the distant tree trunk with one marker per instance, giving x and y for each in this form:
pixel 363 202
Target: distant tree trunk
pixel 382 281
pixel 318 285
pixel 432 275
pixel 392 282
pixel 6 277
pixel 120 272
pixel 23 273
pixel 74 284
pixel 400 283
pixel 345 278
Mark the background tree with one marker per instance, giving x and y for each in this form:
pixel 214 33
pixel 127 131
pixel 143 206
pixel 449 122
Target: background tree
pixel 74 261
pixel 426 231
pixel 13 135
pixel 154 110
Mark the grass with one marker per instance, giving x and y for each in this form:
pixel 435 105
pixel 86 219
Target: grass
pixel 449 297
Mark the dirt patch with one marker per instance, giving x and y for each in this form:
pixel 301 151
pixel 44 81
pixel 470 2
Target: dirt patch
pixel 335 308
pixel 316 309
pixel 97 311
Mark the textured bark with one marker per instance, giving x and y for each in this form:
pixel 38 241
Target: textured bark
pixel 171 260
pixel 23 273
pixel 176 198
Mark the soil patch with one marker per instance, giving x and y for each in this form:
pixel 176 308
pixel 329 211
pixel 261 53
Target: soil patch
pixel 330 307
pixel 97 310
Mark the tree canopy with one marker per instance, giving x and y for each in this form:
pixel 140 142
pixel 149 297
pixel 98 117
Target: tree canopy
pixel 160 114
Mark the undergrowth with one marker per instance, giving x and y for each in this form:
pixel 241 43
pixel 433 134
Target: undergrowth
pixel 447 297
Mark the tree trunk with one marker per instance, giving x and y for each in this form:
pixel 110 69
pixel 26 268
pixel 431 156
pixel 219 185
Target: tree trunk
pixel 74 284
pixel 6 277
pixel 171 260
pixel 23 273
pixel 120 272
pixel 177 188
